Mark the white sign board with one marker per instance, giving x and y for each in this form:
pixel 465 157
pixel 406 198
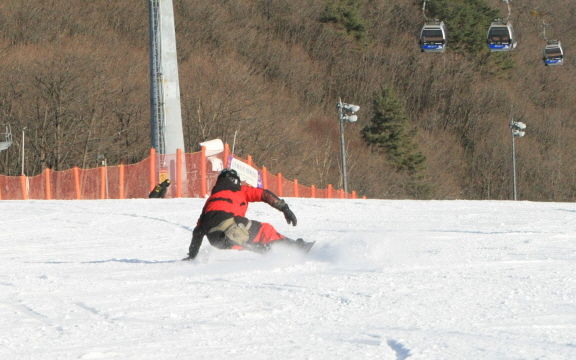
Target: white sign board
pixel 213 148
pixel 246 172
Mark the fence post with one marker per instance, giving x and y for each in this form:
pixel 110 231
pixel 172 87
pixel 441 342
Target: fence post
pixel 330 191
pixel 342 193
pixel 354 195
pixel 249 160
pixel 102 171
pixel 179 162
pixel 23 187
pixel 203 171
pixel 76 172
pixel 279 184
pixel 1 185
pixel 47 184
pixel 313 191
pixel 226 155
pixel 296 190
pixel 152 169
pixel 264 178
pixel 121 194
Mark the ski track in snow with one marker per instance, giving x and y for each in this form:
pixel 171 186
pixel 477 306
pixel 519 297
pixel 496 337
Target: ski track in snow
pixel 401 352
pixel 399 280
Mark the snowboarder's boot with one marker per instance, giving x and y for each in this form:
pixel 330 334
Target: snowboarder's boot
pixel 299 244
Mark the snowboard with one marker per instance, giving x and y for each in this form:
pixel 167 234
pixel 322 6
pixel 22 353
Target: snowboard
pixel 305 246
pixel 301 245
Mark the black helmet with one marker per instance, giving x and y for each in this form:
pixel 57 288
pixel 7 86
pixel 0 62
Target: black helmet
pixel 231 175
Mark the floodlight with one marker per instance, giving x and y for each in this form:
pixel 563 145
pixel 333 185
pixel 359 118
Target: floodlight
pixel 518 133
pixel 519 125
pixel 351 108
pixel 350 118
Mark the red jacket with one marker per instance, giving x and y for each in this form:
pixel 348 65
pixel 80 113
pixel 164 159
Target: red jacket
pixel 233 202
pixel 228 201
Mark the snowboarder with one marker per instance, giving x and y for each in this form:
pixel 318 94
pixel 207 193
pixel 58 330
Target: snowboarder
pixel 223 222
pixel 159 190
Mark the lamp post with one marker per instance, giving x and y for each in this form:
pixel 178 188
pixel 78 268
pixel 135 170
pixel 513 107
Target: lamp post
pixel 104 162
pixel 23 136
pixel 345 113
pixel 517 128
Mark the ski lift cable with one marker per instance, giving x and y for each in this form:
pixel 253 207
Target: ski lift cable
pixel 544 26
pixel 509 9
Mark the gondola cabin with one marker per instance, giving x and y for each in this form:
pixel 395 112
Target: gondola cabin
pixel 501 36
pixel 6 138
pixel 433 37
pixel 553 53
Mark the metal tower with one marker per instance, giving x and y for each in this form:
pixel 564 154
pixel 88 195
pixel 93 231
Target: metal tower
pixel 166 117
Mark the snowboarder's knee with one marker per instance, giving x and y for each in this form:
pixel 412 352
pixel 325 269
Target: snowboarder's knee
pixel 238 233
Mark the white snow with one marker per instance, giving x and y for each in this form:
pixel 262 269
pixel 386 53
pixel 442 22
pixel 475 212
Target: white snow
pixel 386 280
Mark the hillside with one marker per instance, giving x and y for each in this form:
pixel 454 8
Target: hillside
pixel 74 74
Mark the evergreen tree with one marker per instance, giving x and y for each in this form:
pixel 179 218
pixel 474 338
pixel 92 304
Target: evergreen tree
pixel 389 132
pixel 467 22
pixel 345 13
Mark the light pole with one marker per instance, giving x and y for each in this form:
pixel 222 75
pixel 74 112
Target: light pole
pixel 517 128
pixel 23 132
pixel 104 162
pixel 345 113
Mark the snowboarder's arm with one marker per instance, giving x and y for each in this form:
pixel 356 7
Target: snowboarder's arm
pixel 197 237
pixel 271 199
pixel 254 194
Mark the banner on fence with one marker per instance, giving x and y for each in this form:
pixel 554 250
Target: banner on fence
pixel 246 172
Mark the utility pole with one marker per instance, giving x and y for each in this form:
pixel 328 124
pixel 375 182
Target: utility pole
pixel 23 135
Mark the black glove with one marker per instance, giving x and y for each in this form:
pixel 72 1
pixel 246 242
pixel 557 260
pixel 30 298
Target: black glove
pixel 289 215
pixel 277 203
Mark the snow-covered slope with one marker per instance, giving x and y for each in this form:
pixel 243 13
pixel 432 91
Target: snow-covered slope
pixel 386 280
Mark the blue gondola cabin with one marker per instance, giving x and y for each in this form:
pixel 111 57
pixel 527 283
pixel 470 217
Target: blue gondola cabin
pixel 553 53
pixel 433 37
pixel 501 36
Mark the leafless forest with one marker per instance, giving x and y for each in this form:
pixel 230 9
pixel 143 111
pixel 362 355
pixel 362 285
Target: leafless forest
pixel 74 78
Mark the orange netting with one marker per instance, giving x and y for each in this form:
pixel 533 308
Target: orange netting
pixel 136 180
pixel 191 175
pixel 11 187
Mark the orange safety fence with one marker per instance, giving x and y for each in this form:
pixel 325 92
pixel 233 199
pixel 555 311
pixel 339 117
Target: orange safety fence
pixel 191 175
